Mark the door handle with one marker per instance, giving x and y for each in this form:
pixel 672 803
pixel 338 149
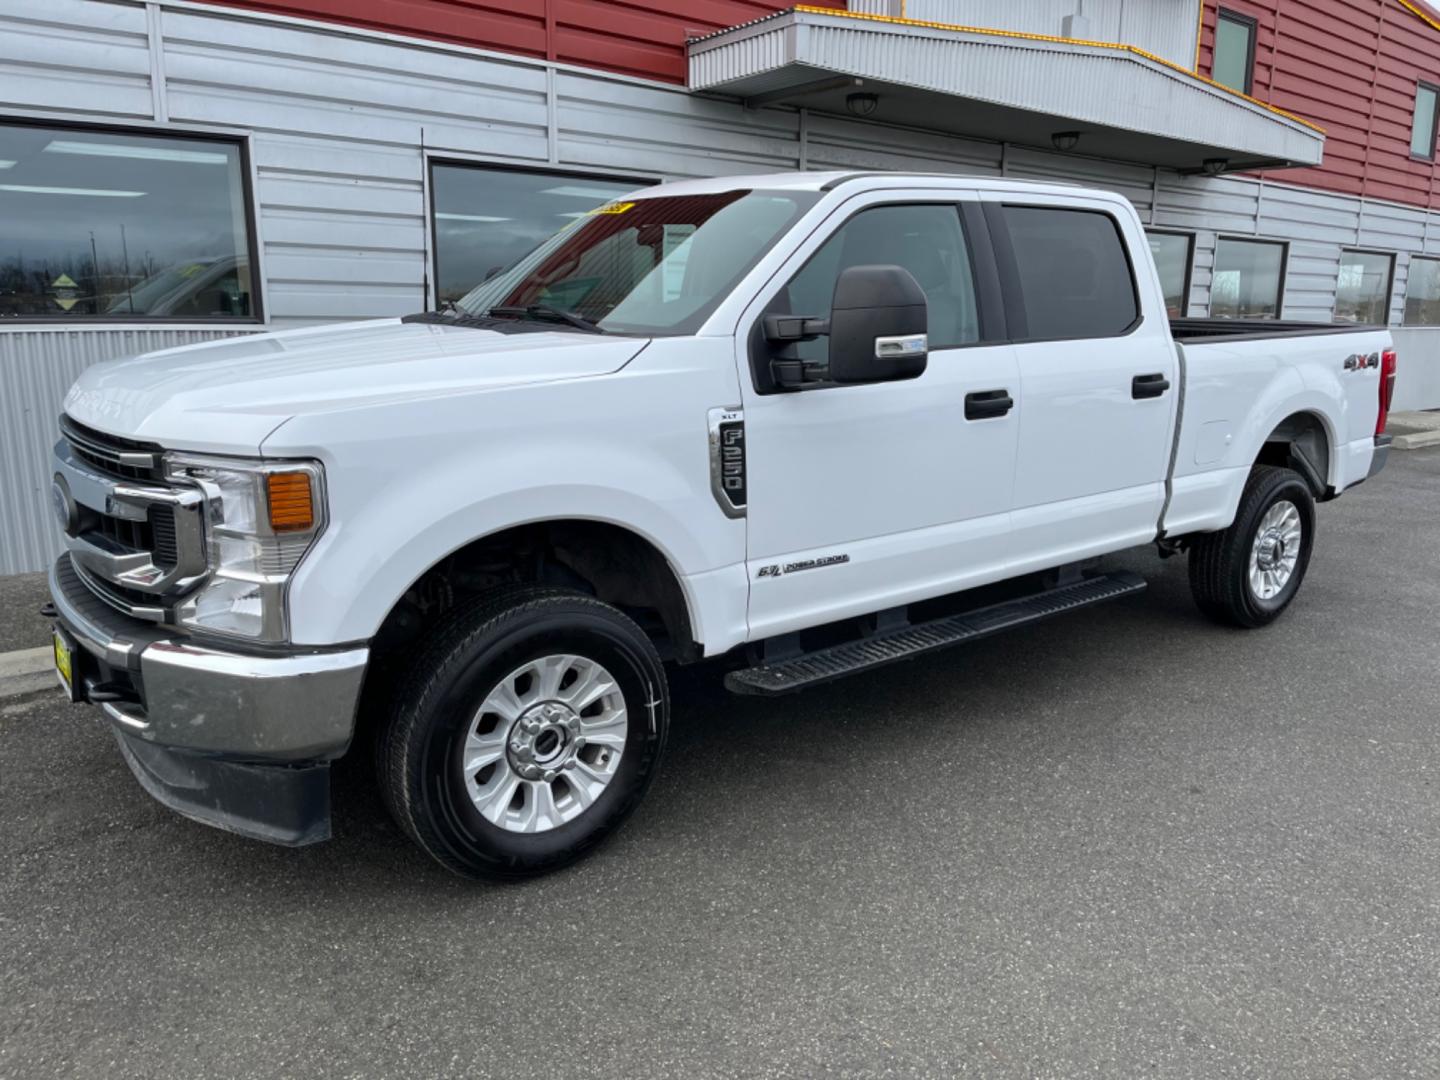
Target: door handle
pixel 985 404
pixel 1148 386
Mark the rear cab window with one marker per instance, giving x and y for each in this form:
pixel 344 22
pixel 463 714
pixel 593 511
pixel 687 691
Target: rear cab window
pixel 1070 269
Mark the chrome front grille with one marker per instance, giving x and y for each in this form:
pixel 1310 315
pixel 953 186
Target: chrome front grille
pixel 124 459
pixel 136 542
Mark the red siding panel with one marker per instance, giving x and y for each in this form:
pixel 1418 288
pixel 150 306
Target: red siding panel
pixel 634 37
pixel 1351 66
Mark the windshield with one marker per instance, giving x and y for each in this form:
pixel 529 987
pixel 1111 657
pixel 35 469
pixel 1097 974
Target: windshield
pixel 647 266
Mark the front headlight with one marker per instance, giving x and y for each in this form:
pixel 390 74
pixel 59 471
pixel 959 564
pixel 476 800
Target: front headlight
pixel 261 519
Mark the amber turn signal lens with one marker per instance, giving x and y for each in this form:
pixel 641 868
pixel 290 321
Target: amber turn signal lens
pixel 291 509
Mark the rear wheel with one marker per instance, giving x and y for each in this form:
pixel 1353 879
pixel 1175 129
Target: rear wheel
pixel 1247 575
pixel 528 731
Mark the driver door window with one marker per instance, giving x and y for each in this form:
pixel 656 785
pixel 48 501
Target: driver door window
pixel 926 240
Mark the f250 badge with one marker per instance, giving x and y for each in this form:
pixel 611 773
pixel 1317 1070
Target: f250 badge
pixel 777 569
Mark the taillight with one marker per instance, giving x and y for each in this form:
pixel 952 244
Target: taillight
pixel 1387 388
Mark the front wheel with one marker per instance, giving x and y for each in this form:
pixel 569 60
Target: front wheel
pixel 528 731
pixel 1247 575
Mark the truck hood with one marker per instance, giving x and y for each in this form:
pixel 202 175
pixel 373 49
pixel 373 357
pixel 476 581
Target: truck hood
pixel 228 395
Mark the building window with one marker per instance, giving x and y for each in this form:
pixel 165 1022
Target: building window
pixel 1234 64
pixel 1074 272
pixel 1249 279
pixel 1422 127
pixel 1172 255
pixel 1422 293
pixel 112 225
pixel 1362 294
pixel 487 218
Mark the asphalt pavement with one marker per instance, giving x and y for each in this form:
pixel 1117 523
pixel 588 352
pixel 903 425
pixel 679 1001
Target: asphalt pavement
pixel 1122 843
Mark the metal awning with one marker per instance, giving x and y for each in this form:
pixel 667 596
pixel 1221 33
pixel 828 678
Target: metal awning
pixel 1126 104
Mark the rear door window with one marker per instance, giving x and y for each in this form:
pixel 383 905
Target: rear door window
pixel 1074 273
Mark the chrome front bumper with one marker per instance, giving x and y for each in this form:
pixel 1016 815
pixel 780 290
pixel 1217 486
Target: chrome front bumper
pixel 229 738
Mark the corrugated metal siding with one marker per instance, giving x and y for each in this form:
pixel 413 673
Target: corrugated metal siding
pixel 1163 27
pixel 75 55
pixel 632 37
pixel 36 368
pixel 1352 67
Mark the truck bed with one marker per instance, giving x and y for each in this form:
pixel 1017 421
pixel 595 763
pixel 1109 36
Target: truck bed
pixel 1200 331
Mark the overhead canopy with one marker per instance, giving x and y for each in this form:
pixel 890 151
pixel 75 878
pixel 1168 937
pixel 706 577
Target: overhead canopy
pixel 1126 104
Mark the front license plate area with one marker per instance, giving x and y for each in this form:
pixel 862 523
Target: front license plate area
pixel 65 663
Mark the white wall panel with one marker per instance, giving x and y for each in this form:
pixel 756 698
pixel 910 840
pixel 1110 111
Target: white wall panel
pixel 661 132
pixel 75 55
pixel 1164 27
pixel 834 142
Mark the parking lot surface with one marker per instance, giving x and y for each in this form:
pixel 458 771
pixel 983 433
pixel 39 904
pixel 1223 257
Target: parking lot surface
pixel 1125 842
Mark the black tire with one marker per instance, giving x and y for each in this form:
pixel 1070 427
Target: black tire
pixel 1220 561
pixel 435 707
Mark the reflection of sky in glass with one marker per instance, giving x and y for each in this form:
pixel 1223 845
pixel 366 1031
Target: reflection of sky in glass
pixel 1172 256
pixel 1361 292
pixel 486 219
pixel 110 211
pixel 1246 280
pixel 1422 294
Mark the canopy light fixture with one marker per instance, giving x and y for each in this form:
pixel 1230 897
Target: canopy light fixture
pixel 1214 166
pixel 142 153
pixel 862 104
pixel 1065 140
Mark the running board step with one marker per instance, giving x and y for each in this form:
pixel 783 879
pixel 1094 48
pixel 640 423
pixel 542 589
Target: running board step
pixel 823 665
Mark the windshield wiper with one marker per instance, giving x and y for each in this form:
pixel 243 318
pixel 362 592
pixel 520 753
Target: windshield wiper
pixel 546 313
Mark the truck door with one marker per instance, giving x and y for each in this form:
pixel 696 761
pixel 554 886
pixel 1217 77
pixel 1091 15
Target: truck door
pixel 1098 377
pixel 864 497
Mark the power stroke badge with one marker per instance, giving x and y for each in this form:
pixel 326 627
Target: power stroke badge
pixel 779 569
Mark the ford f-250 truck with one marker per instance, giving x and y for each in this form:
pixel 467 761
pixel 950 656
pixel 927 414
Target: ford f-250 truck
pixel 811 423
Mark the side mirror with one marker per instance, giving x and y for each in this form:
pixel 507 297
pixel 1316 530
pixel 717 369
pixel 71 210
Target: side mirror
pixel 878 326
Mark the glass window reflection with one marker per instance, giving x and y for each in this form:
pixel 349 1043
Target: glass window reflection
pixel 486 219
pixel 113 225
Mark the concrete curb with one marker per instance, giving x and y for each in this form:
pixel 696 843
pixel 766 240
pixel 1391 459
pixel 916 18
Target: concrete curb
pixel 1418 441
pixel 27 670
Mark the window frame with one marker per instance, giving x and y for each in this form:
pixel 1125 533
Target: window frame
pixel 1189 238
pixel 432 244
pixel 240 139
pixel 1252 26
pixel 1283 245
pixel 1409 281
pixel 1389 285
pixel 1429 158
pixel 990 317
pixel 1008 270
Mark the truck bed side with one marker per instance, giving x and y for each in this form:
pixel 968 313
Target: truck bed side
pixel 1241 386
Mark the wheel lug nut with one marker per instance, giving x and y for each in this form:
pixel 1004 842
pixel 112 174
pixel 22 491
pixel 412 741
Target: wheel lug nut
pixel 549 774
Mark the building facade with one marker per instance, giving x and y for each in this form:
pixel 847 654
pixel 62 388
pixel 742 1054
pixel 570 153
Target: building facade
pixel 176 171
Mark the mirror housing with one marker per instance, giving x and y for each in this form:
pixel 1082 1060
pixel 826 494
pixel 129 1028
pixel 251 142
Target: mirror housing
pixel 878 326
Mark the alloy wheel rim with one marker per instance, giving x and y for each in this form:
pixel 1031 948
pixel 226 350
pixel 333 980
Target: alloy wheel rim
pixel 1275 551
pixel 545 743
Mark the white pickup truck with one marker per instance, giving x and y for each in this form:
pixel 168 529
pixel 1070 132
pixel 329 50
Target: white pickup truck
pixel 792 421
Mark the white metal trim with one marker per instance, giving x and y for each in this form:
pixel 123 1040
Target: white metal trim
pixel 155 34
